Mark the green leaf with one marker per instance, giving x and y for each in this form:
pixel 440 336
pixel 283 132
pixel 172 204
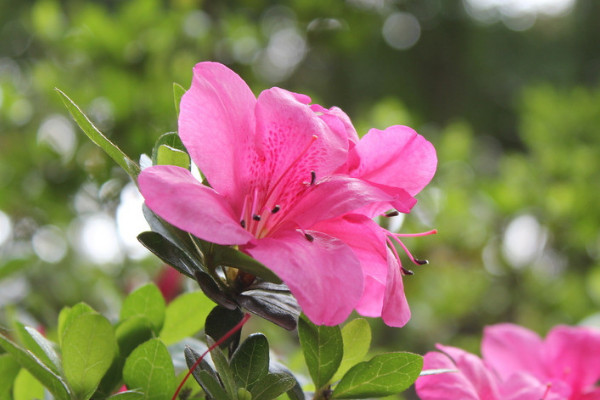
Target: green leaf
pixel 68 314
pixel 279 307
pixel 228 256
pixel 148 303
pixel 185 316
pixel 98 137
pixel 128 395
pixel 88 350
pixel 54 383
pixel 250 362
pixel 323 349
pixel 272 385
pixel 41 347
pixel 356 335
pixel 168 155
pixel 26 387
pixel 178 92
pixel 149 369
pixel 9 369
pixel 211 386
pixel 170 253
pixel 243 394
pixel 383 375
pixel 170 139
pixel 223 368
pixel 221 320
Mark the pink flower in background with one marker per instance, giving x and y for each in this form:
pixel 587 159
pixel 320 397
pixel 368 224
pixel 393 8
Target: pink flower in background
pixel 518 365
pixel 278 170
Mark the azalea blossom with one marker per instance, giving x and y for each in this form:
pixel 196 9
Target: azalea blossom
pixel 283 175
pixel 518 365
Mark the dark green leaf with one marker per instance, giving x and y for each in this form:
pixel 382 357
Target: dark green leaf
pixel 250 362
pixel 323 349
pixel 179 238
pixel 168 155
pixel 212 290
pixel 9 368
pixel 54 383
pixel 185 316
pixel 356 335
pixel 191 356
pixel 223 368
pixel 279 307
pixel 296 392
pixel 271 386
pixel 149 369
pixel 88 349
pixel 221 320
pixel 168 252
pixel 98 137
pixel 178 92
pixel 383 375
pixel 211 386
pixel 148 303
pixel 228 256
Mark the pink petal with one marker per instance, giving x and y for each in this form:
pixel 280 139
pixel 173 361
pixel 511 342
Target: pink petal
pixel 338 121
pixel 323 274
pixel 593 395
pixel 216 125
pixel 573 356
pixel 371 302
pixel 475 371
pixel 397 157
pixel 177 197
pixel 509 348
pixel 395 306
pixel 447 385
pixel 523 386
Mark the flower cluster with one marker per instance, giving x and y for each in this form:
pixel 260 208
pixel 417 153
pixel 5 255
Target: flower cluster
pixel 291 184
pixel 518 365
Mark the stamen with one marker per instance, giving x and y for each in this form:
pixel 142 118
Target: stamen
pixel 406 271
pixel 431 232
pixel 275 209
pixel 243 223
pixel 392 213
pixel 410 256
pixel 256 217
pixel 309 237
pixel 421 262
pixel 313 177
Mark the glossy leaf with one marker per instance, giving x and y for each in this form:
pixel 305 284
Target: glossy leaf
pixel 182 240
pixel 88 349
pixel 54 383
pixel 296 392
pixel 250 362
pixel 212 290
pixel 221 320
pixel 323 350
pixel 98 137
pixel 356 335
pixel 272 302
pixel 178 92
pixel 228 256
pixel 148 303
pixel 185 316
pixel 168 252
pixel 211 386
pixel 149 369
pixel 191 356
pixel 271 386
pixel 41 347
pixel 27 387
pixel 383 375
pixel 128 395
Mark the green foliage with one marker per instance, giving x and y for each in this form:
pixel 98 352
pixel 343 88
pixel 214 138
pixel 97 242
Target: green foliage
pixel 145 302
pixel 9 369
pixel 356 336
pixel 185 316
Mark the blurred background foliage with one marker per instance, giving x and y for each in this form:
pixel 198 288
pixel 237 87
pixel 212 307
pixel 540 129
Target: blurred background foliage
pixel 508 91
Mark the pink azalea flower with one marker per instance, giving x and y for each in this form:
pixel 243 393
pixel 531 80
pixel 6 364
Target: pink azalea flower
pixel 518 365
pixel 278 169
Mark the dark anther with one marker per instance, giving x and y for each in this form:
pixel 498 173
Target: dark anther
pixel 421 262
pixel 256 217
pixel 407 271
pixel 243 223
pixel 275 209
pixel 392 213
pixel 313 177
pixel 309 237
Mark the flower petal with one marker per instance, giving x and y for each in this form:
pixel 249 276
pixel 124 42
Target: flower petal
pixel 216 125
pixel 177 197
pixel 323 274
pixel 395 306
pixel 397 156
pixel 509 348
pixel 573 356
pixel 447 385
